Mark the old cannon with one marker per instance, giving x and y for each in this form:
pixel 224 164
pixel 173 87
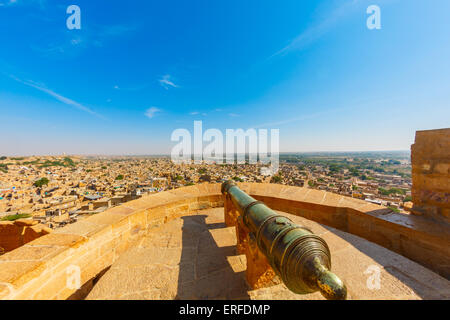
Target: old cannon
pixel 276 248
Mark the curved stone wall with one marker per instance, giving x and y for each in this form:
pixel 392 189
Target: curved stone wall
pixel 48 267
pixel 14 234
pixel 415 237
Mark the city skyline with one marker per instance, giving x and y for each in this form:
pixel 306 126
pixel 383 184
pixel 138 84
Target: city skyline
pixel 134 73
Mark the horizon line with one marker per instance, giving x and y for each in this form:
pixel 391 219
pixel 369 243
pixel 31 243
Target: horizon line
pixel 224 155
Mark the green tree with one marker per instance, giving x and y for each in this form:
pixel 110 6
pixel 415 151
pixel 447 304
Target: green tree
pixel 397 191
pixel 13 217
pixel 334 168
pixel 119 177
pixel 354 172
pixel 41 182
pixel 386 192
pixel 276 179
pixel 68 162
pixel 407 199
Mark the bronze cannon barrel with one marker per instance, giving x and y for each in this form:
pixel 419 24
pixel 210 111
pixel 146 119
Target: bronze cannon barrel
pixel 299 257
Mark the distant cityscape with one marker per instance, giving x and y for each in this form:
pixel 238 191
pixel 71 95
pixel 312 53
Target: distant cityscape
pixel 57 190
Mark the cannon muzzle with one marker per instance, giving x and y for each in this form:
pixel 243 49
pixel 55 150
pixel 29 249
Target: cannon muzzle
pixel 299 257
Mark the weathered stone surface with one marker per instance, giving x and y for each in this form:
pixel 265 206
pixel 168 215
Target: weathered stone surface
pixel 194 257
pixel 60 240
pixel 210 255
pixel 25 222
pixel 14 234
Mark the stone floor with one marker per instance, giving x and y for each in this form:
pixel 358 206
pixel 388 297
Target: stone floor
pixel 195 257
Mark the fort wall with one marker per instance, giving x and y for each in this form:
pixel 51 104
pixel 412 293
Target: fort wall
pixel 14 234
pixel 44 268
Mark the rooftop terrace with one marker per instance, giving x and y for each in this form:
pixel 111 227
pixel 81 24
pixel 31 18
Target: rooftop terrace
pixel 175 244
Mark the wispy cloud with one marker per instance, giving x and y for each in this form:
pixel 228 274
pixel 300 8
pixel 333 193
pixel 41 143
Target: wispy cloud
pixel 69 44
pixel 135 88
pixel 7 3
pixel 317 30
pixel 166 82
pixel 290 120
pixel 150 113
pixel 61 98
pixel 349 106
pixel 195 113
pixel 117 30
pixel 233 115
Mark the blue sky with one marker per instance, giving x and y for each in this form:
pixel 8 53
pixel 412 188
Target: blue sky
pixel 137 70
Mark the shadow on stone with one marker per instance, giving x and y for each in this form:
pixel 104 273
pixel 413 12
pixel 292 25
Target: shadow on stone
pixel 85 289
pixel 205 270
pixel 398 266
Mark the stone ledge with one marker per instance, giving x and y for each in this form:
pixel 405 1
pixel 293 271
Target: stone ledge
pixel 39 270
pixel 19 232
pixel 95 243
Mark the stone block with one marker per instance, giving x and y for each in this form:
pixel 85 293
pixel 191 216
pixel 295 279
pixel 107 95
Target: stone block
pixel 25 222
pixel 18 273
pixel 60 240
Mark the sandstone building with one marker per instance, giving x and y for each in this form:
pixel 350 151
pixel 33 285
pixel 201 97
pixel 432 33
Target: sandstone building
pixel 430 156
